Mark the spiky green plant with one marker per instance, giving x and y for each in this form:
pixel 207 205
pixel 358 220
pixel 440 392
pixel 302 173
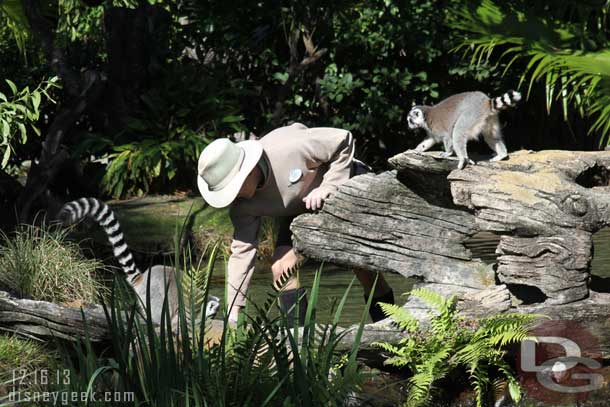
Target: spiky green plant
pixel 261 362
pixel 431 352
pixel 562 45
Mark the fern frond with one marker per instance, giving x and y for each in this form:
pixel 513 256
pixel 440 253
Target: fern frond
pixel 432 353
pixel 431 298
pixel 396 361
pixel 401 317
pixel 514 388
pixel 480 382
pixel 388 347
pixel 418 389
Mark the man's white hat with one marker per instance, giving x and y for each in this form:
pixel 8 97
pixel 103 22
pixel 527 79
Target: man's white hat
pixel 223 167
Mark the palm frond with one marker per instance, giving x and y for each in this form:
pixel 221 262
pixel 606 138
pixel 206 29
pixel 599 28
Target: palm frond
pixel 12 11
pixel 551 47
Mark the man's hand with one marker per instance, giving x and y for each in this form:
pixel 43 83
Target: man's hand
pixel 315 198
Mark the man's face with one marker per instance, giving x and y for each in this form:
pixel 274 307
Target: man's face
pixel 248 189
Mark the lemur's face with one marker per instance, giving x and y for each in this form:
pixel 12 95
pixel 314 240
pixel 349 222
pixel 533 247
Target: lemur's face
pixel 416 118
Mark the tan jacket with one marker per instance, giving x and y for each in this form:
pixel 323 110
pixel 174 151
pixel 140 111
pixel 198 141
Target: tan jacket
pixel 324 158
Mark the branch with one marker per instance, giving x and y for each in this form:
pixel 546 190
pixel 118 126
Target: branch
pixel 312 55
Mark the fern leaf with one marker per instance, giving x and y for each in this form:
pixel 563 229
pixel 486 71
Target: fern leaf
pixel 432 298
pixel 418 389
pixel 400 316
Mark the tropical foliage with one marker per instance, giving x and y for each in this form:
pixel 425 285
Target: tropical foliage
pixel 134 115
pixel 562 45
pixel 197 70
pixel 451 342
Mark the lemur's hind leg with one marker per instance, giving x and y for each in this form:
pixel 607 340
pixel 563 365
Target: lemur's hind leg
pixel 465 128
pixel 492 134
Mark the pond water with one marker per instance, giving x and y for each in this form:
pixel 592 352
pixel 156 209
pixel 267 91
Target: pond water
pixel 335 280
pixel 333 284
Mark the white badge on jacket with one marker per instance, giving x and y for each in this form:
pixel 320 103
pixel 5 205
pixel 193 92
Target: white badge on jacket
pixel 295 175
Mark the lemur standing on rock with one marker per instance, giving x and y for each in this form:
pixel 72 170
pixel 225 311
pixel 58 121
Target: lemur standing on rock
pixel 460 118
pixel 162 277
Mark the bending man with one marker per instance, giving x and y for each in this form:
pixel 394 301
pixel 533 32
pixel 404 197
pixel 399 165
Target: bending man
pixel 289 171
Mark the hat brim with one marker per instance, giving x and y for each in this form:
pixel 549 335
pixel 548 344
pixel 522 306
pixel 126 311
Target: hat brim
pixel 223 197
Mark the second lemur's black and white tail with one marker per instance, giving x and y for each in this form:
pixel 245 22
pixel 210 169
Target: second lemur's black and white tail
pixel 75 211
pixel 507 100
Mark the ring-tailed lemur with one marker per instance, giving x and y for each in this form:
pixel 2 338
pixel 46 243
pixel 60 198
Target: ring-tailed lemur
pixel 162 278
pixel 460 118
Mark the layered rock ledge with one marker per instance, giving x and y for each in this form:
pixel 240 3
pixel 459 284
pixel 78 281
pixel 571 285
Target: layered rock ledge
pixel 416 219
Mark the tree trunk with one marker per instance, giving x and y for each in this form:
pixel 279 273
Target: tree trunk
pixel 375 222
pixel 46 320
pixel 136 46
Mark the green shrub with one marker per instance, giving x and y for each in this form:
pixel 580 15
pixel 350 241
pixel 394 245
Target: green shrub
pixel 449 343
pixel 20 111
pixel 39 263
pixel 158 147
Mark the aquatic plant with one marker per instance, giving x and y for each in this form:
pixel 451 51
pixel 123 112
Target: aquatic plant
pixel 451 342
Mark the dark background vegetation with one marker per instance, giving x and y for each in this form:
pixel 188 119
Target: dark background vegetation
pixel 144 87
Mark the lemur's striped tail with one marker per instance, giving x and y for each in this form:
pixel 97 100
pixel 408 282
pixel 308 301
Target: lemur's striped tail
pixel 507 100
pixel 75 211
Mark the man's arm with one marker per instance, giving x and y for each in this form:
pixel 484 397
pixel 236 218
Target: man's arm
pixel 242 259
pixel 335 148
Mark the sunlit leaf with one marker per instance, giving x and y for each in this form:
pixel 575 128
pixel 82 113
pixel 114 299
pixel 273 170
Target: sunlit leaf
pixel 36 100
pixel 12 86
pixel 6 156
